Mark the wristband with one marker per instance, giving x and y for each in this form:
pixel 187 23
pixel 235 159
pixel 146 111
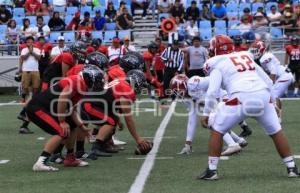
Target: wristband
pixel 81 126
pixel 62 121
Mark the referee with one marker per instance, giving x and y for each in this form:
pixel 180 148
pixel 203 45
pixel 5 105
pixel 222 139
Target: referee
pixel 173 58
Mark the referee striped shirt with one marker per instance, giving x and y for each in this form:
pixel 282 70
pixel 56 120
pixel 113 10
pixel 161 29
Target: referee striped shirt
pixel 176 58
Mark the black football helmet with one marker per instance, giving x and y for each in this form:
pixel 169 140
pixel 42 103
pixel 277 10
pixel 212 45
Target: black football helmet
pixel 95 43
pixel 94 77
pixel 295 40
pixel 136 79
pixel 18 77
pixel 237 40
pixel 98 59
pixel 131 61
pixel 78 50
pixel 153 47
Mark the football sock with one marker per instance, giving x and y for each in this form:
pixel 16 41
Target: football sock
pixel 228 140
pixel 289 162
pixel 213 162
pixel 98 144
pixel 59 149
pixel 44 157
pixel 45 154
pixel 23 96
pixel 192 124
pixel 22 112
pixel 243 124
pixel 79 146
pixel 95 131
pixel 296 90
pixel 70 151
pixel 25 124
pixel 236 138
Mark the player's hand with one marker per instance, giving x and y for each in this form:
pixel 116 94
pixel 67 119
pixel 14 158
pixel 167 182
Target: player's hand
pixel 121 125
pixel 204 121
pixel 143 143
pixel 66 127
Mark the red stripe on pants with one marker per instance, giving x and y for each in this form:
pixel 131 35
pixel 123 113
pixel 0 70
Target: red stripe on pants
pixel 50 121
pixel 89 109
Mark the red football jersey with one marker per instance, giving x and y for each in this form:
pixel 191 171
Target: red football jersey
pixel 115 72
pixel 75 69
pixel 294 53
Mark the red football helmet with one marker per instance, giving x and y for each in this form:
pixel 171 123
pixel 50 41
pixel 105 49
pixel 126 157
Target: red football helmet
pixel 220 44
pixel 178 85
pixel 258 48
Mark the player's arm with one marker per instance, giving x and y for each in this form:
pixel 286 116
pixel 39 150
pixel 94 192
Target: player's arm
pixel 286 59
pixel 263 75
pixel 64 69
pixel 62 104
pixel 35 55
pixel 147 68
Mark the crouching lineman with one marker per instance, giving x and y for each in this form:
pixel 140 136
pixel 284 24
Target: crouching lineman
pixel 196 88
pixel 249 89
pixel 280 75
pixel 52 110
pixel 103 110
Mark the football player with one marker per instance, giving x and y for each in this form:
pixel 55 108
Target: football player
pixel 196 87
pixel 103 110
pixel 280 75
pixel 292 60
pixel 249 89
pixel 52 110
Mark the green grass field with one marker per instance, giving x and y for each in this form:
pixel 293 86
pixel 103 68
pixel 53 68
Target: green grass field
pixel 258 169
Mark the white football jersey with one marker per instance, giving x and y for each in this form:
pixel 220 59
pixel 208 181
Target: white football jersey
pixel 237 71
pixel 271 64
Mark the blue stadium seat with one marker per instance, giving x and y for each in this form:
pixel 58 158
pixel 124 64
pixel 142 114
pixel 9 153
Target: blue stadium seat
pixel 32 20
pixel 3 28
pixel 116 3
pixel 255 6
pixel 19 12
pixel 59 9
pixel 109 35
pixel 232 7
pixel 234 32
pixel 46 19
pixel 204 24
pixel 200 6
pixel 110 26
pixel 269 5
pixel 123 33
pixel 128 2
pixel 97 34
pixel 72 10
pixel 86 9
pixel 276 32
pixel 220 24
pixel 19 20
pixel 243 6
pixel 232 15
pixel 162 15
pixel 102 3
pixel 2 39
pixel 205 34
pixel 219 31
pixel 68 19
pixel 69 37
pixel 54 36
pixel 233 23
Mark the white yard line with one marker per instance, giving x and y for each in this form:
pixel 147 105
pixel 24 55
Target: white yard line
pixel 5 161
pixel 290 99
pixel 157 158
pixel 141 178
pixel 11 103
pixel 164 137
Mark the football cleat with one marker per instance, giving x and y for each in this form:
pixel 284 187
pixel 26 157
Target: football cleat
pixel 56 158
pixel 246 131
pixel 208 175
pixel 243 144
pixel 92 138
pixel 71 161
pixel 187 149
pixel 293 172
pixel 25 130
pixel 81 155
pixel 41 166
pixel 117 141
pixel 231 150
pixel 99 153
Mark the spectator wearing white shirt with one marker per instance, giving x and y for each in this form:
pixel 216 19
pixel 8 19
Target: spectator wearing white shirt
pixel 26 30
pixel 164 6
pixel 29 67
pixel 114 52
pixel 274 16
pixel 57 50
pixel 192 30
pixel 245 25
pixel 59 3
pixel 127 47
pixel 41 29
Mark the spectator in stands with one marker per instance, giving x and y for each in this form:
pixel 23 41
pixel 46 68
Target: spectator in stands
pixel 74 23
pixel 45 10
pixel 261 10
pixel 164 6
pixel 159 65
pixel 205 14
pixel 76 3
pixel 244 26
pixel 114 52
pixel 205 2
pixel 32 7
pixel 12 36
pixel 122 5
pixel 274 16
pixel 247 13
pixel 124 21
pixel 45 54
pixel 57 50
pixel 26 30
pixel 287 8
pixel 288 24
pixel 218 12
pixel 127 47
pixel 192 30
pixel 8 3
pixel 177 10
pixel 196 57
pixel 260 26
pixel 56 23
pixel 60 3
pixel 86 23
pixel 180 28
pixel 19 3
pixel 41 29
pixel 144 4
pixel 282 4
pixel 110 13
pixel 99 21
pixel 5 15
pixel 193 12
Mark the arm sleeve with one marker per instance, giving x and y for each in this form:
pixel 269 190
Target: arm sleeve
pixel 261 73
pixel 163 56
pixel 215 81
pixel 181 61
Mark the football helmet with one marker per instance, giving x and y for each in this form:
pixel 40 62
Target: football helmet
pixel 131 61
pixel 94 77
pixel 136 79
pixel 97 59
pixel 18 77
pixel 153 48
pixel 95 43
pixel 220 44
pixel 258 48
pixel 178 85
pixel 295 41
pixel 78 50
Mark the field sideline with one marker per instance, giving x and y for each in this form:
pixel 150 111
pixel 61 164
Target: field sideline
pixel 258 169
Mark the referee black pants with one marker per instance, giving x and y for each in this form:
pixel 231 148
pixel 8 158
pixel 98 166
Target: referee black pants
pixel 195 72
pixel 168 75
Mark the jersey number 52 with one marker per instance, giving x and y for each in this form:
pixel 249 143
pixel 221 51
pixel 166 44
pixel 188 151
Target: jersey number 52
pixel 242 63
